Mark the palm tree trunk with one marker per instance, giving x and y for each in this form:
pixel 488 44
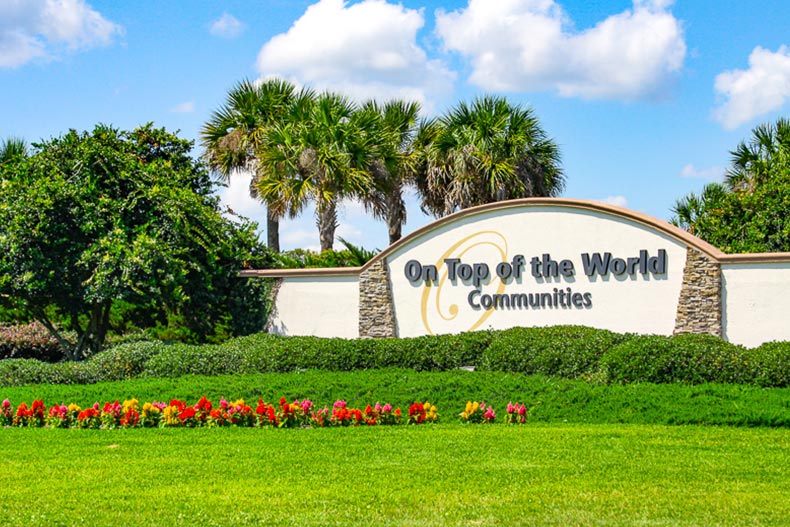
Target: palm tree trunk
pixel 327 223
pixel 396 214
pixel 272 231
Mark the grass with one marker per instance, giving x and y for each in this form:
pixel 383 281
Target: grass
pixel 548 399
pixel 590 455
pixel 537 474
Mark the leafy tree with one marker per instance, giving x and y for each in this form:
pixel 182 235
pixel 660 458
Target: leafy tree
pixel 748 212
pixel 488 151
pixel 93 219
pixel 234 133
pixel 320 152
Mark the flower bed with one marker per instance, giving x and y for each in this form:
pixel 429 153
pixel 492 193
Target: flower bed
pixel 204 413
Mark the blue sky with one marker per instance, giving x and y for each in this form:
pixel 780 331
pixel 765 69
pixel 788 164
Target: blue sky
pixel 646 98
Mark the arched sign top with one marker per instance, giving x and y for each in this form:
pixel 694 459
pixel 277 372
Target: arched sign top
pixel 559 204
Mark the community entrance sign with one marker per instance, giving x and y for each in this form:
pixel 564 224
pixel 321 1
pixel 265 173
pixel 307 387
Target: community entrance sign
pixel 541 262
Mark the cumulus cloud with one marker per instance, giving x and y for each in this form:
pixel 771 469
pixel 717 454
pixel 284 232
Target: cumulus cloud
pixel 184 107
pixel 759 90
pixel 367 49
pixel 714 173
pixel 226 26
pixel 32 29
pixel 619 201
pixel 530 45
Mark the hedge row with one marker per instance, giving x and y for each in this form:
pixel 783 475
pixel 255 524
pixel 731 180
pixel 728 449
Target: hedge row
pixel 564 351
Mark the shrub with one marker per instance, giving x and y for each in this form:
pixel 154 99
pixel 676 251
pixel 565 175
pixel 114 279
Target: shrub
pixel 29 341
pixel 688 358
pixel 564 351
pixel 771 364
pixel 125 361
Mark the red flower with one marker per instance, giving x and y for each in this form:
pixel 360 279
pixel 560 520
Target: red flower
pixel 187 413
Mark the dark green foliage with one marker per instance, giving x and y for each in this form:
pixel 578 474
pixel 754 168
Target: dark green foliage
pixel 691 359
pixel 748 212
pixel 572 352
pixel 771 364
pixel 112 220
pixel 562 351
pixel 28 341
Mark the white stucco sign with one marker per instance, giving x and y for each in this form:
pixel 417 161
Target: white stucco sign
pixel 539 262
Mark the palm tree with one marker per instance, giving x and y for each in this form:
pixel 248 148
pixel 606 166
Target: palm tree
pixel 756 160
pixel 488 151
pixel 321 152
pixel 395 163
pixel 235 132
pixel 689 209
pixel 12 149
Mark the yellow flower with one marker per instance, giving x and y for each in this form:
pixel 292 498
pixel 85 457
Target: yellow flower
pixel 464 415
pixel 469 408
pixel 426 406
pixel 475 406
pixel 433 409
pixel 171 415
pixel 74 408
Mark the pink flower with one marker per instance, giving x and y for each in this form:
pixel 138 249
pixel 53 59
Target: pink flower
pixel 490 414
pixel 522 410
pixel 510 408
pixel 6 403
pixel 387 408
pixel 377 408
pixel 339 404
pixel 307 404
pixel 223 404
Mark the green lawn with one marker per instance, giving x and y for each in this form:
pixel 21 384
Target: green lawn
pixel 450 474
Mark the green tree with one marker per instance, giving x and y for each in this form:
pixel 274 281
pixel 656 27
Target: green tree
pixel 321 152
pixel 749 211
pixel 488 151
pixel 92 219
pixel 235 132
pixel 395 162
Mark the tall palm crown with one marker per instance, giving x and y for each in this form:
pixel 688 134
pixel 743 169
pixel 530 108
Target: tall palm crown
pixel 12 149
pixel 235 132
pixel 320 152
pixel 488 151
pixel 396 158
pixel 766 152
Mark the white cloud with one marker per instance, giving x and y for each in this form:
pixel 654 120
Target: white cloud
pixel 619 201
pixel 529 45
pixel 226 26
pixel 32 29
pixel 761 89
pixel 714 173
pixel 184 107
pixel 367 49
pixel 236 196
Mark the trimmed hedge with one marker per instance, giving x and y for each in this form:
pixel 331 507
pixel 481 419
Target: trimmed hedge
pixel 560 351
pixel 690 359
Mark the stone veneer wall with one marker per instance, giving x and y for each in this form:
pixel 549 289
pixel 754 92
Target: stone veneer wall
pixel 699 306
pixel 376 313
